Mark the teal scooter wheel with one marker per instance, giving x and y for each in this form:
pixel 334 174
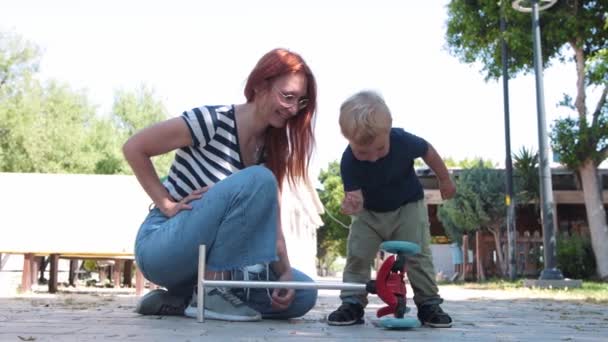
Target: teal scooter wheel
pixel 405 247
pixel 399 323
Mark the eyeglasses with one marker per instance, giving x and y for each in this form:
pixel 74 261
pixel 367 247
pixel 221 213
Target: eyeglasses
pixel 290 100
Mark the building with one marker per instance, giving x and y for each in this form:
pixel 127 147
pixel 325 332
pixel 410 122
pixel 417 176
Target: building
pixel 569 210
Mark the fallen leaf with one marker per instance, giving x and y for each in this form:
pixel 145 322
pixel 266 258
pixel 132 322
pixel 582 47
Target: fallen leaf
pixel 29 338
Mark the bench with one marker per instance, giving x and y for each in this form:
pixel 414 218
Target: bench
pixel 123 264
pixel 75 217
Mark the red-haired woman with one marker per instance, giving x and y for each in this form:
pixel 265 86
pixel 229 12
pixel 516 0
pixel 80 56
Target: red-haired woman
pixel 222 190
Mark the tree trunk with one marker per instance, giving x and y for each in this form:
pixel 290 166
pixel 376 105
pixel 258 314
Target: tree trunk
pixel 579 58
pixel 592 193
pixel 596 216
pixel 481 276
pixel 499 252
pixel 465 256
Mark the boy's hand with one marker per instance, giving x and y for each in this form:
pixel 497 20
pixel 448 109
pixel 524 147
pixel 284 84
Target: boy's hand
pixel 447 189
pixel 352 203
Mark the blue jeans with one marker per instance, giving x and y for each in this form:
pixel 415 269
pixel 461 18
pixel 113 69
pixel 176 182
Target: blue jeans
pixel 237 221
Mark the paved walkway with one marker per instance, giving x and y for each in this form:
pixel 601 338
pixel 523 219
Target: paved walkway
pixel 478 314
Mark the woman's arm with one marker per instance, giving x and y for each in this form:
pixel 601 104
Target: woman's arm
pixel 282 298
pixel 152 141
pixel 282 266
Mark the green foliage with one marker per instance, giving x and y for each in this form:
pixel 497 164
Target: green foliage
pixel 478 204
pixel 468 163
pixel 444 214
pixel 107 141
pixel 45 129
pixel 575 256
pixel 575 140
pixel 19 59
pixel 590 292
pixel 51 128
pixel 90 265
pixel 526 176
pixel 464 213
pixel 473 33
pixel 331 237
pixel 131 112
pixel 597 67
pixel 449 162
pixel 134 110
pixel 474 162
pixel 484 188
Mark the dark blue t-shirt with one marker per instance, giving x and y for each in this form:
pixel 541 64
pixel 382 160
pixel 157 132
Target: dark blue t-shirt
pixel 389 182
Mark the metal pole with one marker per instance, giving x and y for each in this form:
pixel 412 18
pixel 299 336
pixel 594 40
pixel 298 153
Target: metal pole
pixel 297 285
pixel 550 270
pixel 200 295
pixel 202 282
pixel 509 201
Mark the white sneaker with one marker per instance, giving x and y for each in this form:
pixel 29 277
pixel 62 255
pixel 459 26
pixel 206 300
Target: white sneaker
pixel 222 304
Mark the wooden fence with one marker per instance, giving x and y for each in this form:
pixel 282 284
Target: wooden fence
pixel 485 261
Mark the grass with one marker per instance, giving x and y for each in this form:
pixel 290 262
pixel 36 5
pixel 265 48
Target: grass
pixel 590 292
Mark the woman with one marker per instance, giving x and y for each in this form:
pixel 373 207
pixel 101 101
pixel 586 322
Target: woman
pixel 218 194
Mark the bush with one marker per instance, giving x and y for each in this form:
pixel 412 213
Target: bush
pixel 575 256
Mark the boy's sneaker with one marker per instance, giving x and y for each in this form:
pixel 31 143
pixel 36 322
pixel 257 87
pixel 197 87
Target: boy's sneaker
pixel 346 314
pixel 160 302
pixel 433 316
pixel 222 304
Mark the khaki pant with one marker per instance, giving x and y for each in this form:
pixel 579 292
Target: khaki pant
pixel 369 229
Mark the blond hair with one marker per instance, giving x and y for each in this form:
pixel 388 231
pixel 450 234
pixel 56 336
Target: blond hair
pixel 364 116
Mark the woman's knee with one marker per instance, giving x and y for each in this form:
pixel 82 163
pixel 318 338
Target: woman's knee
pixel 262 178
pixel 307 301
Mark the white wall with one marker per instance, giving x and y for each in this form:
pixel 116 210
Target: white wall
pixel 73 213
pixel 442 259
pixel 300 210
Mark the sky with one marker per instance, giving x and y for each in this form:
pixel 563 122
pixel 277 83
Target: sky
pixel 195 53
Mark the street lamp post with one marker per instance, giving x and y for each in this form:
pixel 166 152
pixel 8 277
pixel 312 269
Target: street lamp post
pixel 509 200
pixel 550 271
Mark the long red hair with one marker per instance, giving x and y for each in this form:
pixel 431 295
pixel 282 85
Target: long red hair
pixel 288 150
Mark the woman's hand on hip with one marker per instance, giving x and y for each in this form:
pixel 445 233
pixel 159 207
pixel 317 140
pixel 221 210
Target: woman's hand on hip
pixel 171 208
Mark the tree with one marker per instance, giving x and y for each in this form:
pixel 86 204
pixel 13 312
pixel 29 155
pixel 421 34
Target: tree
pixel 49 127
pixel 478 205
pixel 572 31
pixel 45 129
pixel 466 163
pixel 455 217
pixel 132 111
pixel 106 140
pixel 527 183
pixel 331 237
pixel 19 59
pixel 136 109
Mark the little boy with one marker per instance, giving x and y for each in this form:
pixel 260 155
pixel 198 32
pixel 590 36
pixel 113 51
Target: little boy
pixel 386 201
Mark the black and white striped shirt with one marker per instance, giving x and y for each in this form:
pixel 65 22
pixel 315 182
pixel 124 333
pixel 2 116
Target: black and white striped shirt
pixel 213 156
